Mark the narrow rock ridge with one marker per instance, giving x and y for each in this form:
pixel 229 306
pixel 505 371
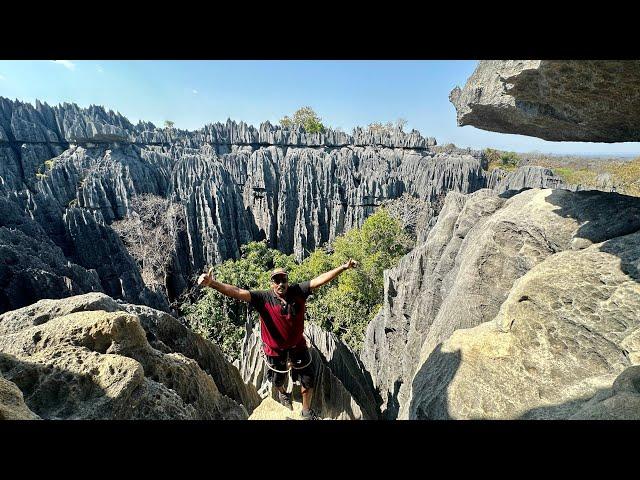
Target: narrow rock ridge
pixel 22 122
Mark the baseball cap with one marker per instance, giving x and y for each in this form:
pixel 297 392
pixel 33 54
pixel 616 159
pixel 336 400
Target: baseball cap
pixel 279 271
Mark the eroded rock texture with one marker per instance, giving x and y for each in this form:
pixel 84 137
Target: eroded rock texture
pixel 67 173
pixel 87 357
pixel 568 328
pixel 557 100
pixel 460 277
pixel 12 406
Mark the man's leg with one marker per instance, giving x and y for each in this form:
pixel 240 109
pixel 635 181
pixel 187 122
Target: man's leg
pixel 278 380
pixel 306 375
pixel 307 394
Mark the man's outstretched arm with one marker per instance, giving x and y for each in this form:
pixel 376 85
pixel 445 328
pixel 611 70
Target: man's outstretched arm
pixel 331 274
pixel 207 280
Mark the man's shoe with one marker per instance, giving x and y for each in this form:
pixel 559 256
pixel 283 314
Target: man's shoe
pixel 285 399
pixel 309 415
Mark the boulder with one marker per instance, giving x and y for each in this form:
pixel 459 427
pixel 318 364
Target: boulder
pixel 480 246
pixel 86 357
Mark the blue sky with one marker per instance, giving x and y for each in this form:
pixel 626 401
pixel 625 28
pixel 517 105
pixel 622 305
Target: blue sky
pixel 343 93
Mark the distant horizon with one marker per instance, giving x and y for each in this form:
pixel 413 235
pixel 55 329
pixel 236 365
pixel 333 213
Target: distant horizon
pixel 345 94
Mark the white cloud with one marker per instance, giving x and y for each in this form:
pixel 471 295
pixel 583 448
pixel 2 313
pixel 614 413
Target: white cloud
pixel 66 64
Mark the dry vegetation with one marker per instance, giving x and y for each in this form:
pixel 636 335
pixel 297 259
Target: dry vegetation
pixel 621 174
pixel 618 174
pixel 150 234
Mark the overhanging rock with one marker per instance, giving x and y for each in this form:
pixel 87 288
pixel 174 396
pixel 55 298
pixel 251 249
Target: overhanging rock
pixel 557 100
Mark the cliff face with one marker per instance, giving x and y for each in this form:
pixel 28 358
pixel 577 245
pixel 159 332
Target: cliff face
pixel 558 100
pixel 67 173
pixel 564 344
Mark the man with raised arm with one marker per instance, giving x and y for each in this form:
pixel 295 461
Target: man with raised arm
pixel 281 312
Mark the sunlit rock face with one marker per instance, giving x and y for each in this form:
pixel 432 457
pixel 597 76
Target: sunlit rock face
pixel 557 100
pixel 565 344
pixel 481 248
pixel 89 357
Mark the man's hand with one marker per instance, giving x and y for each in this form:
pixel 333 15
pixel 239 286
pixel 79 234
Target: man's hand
pixel 350 264
pixel 330 275
pixel 205 279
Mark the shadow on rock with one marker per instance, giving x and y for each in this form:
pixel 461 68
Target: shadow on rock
pixel 429 399
pixel 603 216
pixel 50 392
pixel 619 402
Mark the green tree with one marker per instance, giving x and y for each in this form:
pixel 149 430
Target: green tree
pixel 306 118
pixel 388 127
pixel 168 124
pixel 498 159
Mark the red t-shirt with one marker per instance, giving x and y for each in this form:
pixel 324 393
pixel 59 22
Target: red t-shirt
pixel 281 325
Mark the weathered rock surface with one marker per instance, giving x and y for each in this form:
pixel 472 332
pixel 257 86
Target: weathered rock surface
pixel 620 402
pixel 568 328
pixel 32 266
pixel 557 100
pixel 460 277
pixel 168 335
pixel 86 357
pixel 527 177
pixel 271 409
pixel 342 389
pixel 12 406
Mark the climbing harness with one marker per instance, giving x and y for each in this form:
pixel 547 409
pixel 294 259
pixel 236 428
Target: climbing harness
pixel 288 361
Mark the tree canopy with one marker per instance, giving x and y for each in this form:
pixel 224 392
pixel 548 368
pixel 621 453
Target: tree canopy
pixel 306 118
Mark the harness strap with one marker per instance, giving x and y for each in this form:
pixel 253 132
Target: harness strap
pixel 288 362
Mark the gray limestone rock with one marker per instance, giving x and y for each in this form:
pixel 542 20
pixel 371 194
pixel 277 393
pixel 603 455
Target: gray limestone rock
pixel 12 406
pixel 526 177
pixel 557 100
pixel 74 171
pixel 567 329
pixel 480 245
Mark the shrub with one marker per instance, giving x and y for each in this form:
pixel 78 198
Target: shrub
pixel 505 160
pixel 306 118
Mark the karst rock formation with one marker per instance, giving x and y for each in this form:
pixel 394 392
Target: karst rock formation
pixel 521 298
pixel 522 304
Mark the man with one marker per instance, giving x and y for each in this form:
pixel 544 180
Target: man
pixel 281 312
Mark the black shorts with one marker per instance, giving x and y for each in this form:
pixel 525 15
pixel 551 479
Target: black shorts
pixel 299 358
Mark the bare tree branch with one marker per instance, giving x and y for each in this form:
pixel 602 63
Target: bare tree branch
pixel 150 234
